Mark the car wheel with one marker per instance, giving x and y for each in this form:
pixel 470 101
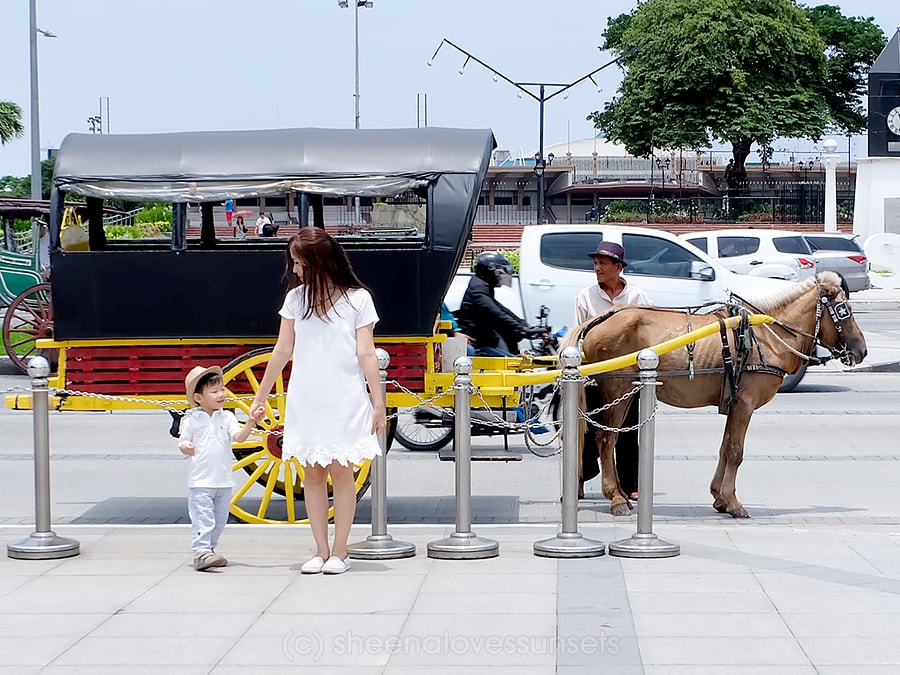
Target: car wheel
pixel 790 382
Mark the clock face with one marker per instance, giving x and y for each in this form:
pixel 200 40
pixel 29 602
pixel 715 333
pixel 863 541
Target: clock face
pixel 893 121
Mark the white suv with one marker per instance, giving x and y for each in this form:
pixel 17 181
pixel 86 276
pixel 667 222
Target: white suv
pixel 776 254
pixel 555 266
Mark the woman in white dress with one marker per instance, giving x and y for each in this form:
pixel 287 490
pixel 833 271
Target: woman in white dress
pixel 330 424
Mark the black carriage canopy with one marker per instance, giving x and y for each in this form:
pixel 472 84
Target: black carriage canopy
pixel 444 168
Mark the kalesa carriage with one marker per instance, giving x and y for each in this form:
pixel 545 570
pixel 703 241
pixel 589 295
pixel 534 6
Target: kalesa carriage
pixel 24 293
pixel 130 317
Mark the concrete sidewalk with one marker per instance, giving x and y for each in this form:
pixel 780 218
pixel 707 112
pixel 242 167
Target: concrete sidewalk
pixel 742 598
pixel 810 585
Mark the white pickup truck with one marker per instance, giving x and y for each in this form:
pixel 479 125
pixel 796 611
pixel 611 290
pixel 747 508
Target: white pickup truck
pixel 554 266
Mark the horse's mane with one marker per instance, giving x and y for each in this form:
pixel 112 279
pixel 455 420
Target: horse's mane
pixel 788 295
pixel 573 335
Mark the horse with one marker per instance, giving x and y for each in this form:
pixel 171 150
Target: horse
pixel 740 372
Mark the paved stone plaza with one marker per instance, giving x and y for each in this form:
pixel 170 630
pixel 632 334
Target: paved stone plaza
pixel 810 584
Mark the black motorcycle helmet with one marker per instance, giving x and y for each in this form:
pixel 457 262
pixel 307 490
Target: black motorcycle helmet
pixel 494 268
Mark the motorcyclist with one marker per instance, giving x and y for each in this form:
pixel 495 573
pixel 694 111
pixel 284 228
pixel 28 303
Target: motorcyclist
pixel 493 329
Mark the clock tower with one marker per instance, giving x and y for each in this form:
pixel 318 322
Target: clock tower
pixel 884 102
pixel 876 214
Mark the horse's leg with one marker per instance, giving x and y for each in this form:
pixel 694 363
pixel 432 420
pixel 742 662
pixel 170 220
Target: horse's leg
pixel 731 454
pixel 606 441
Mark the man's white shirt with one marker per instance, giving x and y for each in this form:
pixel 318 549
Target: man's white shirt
pixel 594 300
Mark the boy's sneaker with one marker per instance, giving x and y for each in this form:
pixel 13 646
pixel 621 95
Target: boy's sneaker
pixel 208 559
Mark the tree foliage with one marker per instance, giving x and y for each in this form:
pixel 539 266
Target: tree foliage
pixel 15 186
pixel 734 71
pixel 10 122
pixel 851 46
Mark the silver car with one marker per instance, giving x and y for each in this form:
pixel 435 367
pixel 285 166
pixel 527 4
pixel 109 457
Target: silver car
pixel 840 253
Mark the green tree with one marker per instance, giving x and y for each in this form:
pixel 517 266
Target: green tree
pixel 734 71
pixel 851 46
pixel 10 122
pixel 12 186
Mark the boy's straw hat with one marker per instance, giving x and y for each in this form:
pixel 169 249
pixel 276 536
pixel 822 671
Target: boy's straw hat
pixel 193 377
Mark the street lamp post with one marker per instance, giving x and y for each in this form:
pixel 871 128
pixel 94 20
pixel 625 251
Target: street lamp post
pixel 356 5
pixel 541 97
pixel 36 191
pixel 830 160
pixel 662 165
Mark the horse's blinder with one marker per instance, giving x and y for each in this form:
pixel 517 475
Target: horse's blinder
pixel 839 312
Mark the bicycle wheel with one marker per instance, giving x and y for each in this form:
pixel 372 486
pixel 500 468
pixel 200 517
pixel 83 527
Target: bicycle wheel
pixel 542 435
pixel 414 435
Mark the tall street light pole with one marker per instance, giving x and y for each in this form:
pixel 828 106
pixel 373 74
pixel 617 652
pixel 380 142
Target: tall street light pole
pixel 541 97
pixel 36 187
pixel 356 5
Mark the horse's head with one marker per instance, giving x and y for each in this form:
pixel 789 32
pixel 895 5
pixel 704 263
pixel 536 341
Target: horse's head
pixel 838 330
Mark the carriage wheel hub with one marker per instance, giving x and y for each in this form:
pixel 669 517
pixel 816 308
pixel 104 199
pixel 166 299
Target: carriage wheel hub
pixel 275 441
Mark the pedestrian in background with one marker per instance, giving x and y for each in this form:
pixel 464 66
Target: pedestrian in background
pixel 330 424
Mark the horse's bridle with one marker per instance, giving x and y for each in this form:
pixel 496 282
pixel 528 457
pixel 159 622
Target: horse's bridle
pixel 838 311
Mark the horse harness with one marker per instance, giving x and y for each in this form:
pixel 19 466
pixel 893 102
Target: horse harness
pixel 734 366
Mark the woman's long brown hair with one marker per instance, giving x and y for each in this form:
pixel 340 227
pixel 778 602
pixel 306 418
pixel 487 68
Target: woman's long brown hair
pixel 326 269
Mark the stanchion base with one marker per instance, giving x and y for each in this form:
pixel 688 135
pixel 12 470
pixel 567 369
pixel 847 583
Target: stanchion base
pixel 381 547
pixel 43 546
pixel 463 546
pixel 644 546
pixel 569 545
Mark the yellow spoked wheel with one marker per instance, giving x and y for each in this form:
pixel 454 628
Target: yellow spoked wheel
pixel 272 489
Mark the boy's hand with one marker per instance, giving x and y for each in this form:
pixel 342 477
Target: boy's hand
pixel 187 449
pixel 257 412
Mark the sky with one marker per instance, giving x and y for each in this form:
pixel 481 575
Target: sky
pixel 187 65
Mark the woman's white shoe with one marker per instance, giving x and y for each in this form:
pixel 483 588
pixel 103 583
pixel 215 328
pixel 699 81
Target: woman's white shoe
pixel 312 566
pixel 335 565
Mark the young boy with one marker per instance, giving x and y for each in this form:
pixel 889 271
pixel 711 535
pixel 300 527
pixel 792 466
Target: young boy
pixel 207 432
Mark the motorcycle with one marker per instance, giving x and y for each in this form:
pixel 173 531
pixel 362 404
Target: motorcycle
pixel 429 428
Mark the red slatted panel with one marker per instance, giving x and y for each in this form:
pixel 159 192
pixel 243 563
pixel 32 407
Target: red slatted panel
pixel 154 369
pixel 161 369
pixel 408 364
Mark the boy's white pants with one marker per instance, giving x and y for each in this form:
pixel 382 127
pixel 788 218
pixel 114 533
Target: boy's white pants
pixel 208 509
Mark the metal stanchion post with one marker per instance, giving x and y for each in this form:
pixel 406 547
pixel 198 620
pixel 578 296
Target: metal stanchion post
pixel 463 544
pixel 569 543
pixel 43 544
pixel 643 543
pixel 380 545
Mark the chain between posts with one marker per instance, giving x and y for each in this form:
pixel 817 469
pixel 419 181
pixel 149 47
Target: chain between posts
pixel 532 421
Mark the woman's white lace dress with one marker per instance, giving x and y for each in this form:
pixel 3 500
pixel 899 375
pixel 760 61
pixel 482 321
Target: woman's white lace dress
pixel 329 413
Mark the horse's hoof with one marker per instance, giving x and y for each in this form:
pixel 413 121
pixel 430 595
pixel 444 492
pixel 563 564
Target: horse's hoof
pixel 721 507
pixel 739 512
pixel 620 509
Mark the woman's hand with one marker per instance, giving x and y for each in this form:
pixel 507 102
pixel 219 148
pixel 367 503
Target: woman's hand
pixel 379 419
pixel 257 411
pixel 187 449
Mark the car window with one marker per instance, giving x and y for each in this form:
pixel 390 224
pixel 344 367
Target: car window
pixel 737 245
pixel 654 256
pixel 795 244
pixel 700 242
pixel 832 244
pixel 569 250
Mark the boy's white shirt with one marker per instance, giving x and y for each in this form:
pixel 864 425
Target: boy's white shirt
pixel 212 436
